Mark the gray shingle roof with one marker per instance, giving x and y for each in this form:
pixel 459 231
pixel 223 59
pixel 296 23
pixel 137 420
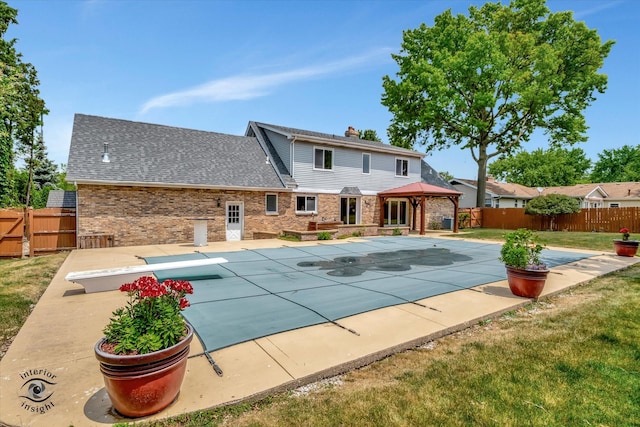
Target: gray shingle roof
pixel 143 153
pixel 430 176
pixel 343 139
pixel 61 199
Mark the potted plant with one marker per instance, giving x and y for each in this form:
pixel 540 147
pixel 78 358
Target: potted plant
pixel 143 355
pixel 526 273
pixel 625 246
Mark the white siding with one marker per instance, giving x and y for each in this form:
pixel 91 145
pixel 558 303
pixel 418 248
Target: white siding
pixel 347 170
pixel 282 146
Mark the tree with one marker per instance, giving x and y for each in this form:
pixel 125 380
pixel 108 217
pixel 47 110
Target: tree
pixel 542 168
pixel 446 176
pixel 551 206
pixel 21 108
pixel 486 81
pixel 617 165
pixel 369 135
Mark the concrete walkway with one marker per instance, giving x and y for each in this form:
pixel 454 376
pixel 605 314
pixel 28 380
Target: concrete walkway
pixel 54 348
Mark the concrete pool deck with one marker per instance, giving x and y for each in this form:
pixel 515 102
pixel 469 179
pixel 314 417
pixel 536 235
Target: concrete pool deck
pixel 56 342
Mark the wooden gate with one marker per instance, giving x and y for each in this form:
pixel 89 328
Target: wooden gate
pixel 49 230
pixel 469 217
pixel 11 232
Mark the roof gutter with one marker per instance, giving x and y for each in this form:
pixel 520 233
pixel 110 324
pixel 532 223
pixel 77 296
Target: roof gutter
pixel 178 185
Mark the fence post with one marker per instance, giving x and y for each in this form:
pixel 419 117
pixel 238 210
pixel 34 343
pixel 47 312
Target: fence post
pixel 30 231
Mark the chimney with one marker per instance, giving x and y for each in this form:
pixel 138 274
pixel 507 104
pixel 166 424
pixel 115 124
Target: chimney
pixel 351 132
pixel 490 178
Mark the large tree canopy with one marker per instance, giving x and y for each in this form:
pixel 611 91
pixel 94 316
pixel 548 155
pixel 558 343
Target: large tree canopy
pixel 21 108
pixel 543 168
pixel 486 81
pixel 617 165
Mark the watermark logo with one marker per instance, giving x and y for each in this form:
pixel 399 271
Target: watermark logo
pixel 36 390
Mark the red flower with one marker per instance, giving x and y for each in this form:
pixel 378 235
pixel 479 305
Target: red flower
pixel 624 230
pixel 184 303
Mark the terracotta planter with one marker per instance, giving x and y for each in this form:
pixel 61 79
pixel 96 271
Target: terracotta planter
pixel 144 384
pixel 626 247
pixel 526 283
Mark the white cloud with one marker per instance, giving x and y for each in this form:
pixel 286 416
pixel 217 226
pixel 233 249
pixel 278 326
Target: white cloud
pixel 247 86
pixel 596 9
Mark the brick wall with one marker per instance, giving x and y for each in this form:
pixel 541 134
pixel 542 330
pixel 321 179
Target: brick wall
pixel 145 215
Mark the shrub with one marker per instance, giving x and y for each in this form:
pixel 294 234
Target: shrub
pixel 324 235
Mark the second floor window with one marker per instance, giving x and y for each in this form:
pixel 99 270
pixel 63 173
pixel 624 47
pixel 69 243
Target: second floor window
pixel 366 163
pixel 402 167
pixel 323 159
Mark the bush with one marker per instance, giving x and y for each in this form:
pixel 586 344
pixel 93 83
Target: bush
pixel 324 235
pixel 397 232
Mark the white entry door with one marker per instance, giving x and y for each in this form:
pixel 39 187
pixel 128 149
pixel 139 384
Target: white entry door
pixel 234 220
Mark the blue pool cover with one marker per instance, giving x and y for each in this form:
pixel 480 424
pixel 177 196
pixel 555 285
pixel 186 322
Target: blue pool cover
pixel 265 291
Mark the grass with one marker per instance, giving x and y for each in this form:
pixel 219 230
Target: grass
pixel 22 281
pixel 579 240
pixel 573 359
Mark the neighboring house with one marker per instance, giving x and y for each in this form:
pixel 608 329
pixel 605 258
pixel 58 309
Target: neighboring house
pixel 596 195
pixel 602 195
pixel 146 183
pixel 61 199
pixel 497 195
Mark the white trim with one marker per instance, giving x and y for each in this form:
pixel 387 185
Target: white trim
pixel 395 167
pixel 266 211
pixel 306 212
pixel 369 163
pixel 178 185
pixel 324 149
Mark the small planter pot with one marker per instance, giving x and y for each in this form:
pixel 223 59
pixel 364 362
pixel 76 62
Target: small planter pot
pixel 143 384
pixel 526 283
pixel 626 247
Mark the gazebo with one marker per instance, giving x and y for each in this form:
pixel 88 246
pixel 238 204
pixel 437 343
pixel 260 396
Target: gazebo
pixel 417 193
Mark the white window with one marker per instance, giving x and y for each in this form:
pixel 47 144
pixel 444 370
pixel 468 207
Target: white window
pixel 366 163
pixel 402 167
pixel 323 158
pixel 395 212
pixel 349 210
pixel 271 204
pixel 306 204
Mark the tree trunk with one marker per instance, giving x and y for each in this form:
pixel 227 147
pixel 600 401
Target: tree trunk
pixel 482 175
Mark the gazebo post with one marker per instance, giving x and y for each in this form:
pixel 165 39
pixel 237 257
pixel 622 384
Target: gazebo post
pixel 422 215
pixel 454 200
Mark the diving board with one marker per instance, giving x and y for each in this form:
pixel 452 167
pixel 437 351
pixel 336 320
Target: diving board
pixel 110 279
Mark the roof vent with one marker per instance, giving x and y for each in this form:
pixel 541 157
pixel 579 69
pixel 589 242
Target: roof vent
pixel 105 153
pixel 351 132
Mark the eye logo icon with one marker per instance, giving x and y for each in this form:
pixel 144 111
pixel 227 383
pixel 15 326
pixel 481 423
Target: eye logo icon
pixel 36 391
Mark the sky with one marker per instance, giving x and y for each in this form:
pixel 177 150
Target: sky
pixel 315 65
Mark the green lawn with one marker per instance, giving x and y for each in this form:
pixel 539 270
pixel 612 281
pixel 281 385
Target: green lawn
pixel 580 240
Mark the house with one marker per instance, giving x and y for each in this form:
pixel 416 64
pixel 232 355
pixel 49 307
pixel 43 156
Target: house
pixel 506 195
pixel 146 183
pixel 61 199
pixel 497 194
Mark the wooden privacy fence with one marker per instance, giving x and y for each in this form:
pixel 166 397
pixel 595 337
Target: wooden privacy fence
pixel 48 230
pixel 606 220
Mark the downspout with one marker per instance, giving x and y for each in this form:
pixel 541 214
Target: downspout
pixel 292 153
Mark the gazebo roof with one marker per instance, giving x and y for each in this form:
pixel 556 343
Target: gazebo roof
pixel 420 189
